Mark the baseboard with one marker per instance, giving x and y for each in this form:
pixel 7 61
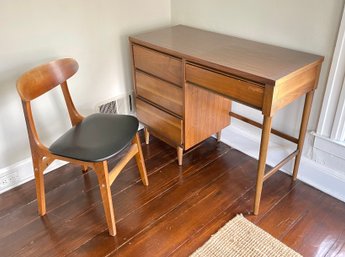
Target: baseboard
pixel 21 172
pixel 310 172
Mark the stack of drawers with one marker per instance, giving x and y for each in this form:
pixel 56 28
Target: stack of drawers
pixel 159 93
pixel 171 108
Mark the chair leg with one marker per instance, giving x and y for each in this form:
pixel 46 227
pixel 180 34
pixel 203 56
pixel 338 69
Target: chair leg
pixel 84 168
pixel 39 181
pixel 140 160
pixel 101 169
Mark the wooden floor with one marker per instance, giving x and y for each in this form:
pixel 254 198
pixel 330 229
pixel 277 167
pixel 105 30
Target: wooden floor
pixel 179 210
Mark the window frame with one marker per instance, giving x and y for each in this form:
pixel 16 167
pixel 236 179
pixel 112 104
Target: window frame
pixel 330 133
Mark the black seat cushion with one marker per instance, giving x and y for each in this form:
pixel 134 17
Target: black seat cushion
pixel 97 138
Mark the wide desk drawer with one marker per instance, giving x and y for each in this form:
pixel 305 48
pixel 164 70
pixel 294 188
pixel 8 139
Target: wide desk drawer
pixel 161 123
pixel 161 65
pixel 232 87
pixel 159 92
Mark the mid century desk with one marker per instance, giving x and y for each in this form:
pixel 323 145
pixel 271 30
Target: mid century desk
pixel 186 78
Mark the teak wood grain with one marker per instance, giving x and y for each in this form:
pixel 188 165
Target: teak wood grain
pixel 261 76
pixel 237 89
pixel 164 94
pixel 205 114
pixel 255 61
pixel 287 91
pixel 160 122
pixel 160 65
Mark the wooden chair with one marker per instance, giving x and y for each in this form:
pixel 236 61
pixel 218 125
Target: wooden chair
pixel 90 141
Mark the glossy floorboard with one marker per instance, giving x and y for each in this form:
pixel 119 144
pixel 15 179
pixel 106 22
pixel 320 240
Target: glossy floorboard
pixel 175 215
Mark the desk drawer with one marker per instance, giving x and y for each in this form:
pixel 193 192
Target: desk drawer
pixel 243 91
pixel 160 122
pixel 159 92
pixel 161 65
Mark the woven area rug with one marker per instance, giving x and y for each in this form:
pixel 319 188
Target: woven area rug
pixel 240 237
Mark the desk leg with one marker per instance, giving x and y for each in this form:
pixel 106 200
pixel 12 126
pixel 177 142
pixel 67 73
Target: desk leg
pixel 303 130
pixel 219 135
pixel 179 150
pixel 147 136
pixel 265 136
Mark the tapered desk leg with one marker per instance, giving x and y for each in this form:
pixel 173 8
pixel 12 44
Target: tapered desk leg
pixel 147 136
pixel 219 135
pixel 179 151
pixel 265 136
pixel 303 130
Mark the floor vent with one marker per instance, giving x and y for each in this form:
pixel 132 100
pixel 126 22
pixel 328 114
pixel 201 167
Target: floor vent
pixel 109 108
pixel 120 105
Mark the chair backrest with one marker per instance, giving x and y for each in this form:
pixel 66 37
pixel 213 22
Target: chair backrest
pixel 45 77
pixel 40 80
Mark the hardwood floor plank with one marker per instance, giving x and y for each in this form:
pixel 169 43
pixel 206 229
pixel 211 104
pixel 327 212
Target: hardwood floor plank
pixel 318 232
pixel 170 232
pixel 83 203
pixel 82 191
pixel 28 213
pixel 26 193
pixel 127 215
pixel 14 242
pixel 161 194
pixel 80 186
pixel 182 207
pixel 243 205
pixel 286 214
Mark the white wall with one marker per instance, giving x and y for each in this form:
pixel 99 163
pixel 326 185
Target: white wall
pixel 95 33
pixel 307 25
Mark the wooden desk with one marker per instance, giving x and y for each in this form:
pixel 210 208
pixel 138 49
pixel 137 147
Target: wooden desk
pixel 186 78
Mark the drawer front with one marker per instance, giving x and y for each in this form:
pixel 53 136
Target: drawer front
pixel 162 123
pixel 161 65
pixel 159 92
pixel 243 91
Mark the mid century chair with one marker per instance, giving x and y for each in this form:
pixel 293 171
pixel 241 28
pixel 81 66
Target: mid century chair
pixel 90 142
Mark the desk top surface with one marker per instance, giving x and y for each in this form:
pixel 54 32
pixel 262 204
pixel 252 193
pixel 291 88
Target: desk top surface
pixel 257 61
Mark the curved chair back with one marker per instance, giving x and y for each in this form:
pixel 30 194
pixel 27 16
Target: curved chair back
pixel 40 80
pixel 43 78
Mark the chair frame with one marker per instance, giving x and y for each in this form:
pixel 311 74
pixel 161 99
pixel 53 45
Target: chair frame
pixel 39 81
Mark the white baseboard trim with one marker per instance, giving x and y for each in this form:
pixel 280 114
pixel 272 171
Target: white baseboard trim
pixel 21 172
pixel 310 172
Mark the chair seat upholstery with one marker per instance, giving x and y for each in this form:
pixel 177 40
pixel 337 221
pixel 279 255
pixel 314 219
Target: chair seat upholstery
pixel 97 138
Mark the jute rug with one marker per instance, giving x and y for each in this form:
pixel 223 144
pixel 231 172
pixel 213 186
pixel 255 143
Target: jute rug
pixel 240 237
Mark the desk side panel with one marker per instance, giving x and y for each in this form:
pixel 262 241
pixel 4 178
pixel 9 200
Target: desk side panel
pixel 289 90
pixel 206 113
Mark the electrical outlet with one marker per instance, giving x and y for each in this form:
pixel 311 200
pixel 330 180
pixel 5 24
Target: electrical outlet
pixel 9 180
